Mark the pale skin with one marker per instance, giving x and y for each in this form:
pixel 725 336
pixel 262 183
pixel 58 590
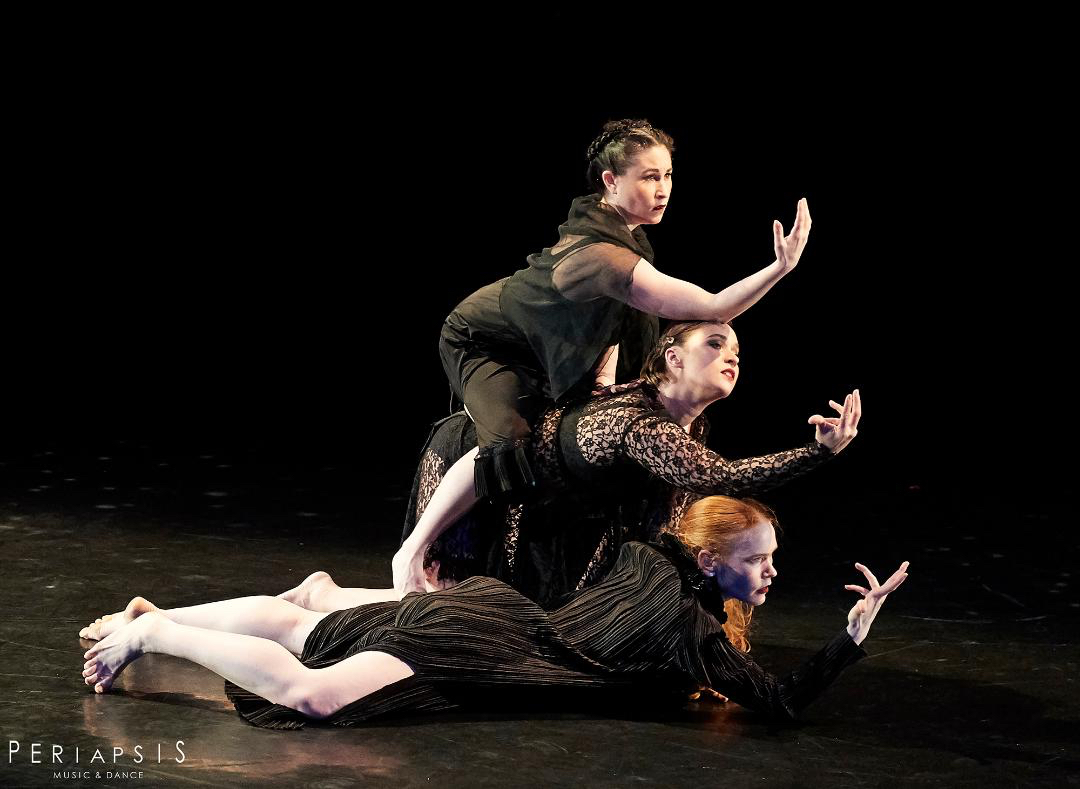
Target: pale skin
pixel 702 369
pixel 640 195
pixel 253 641
pixel 748 567
pixel 696 379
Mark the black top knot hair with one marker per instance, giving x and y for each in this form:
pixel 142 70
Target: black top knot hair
pixel 615 131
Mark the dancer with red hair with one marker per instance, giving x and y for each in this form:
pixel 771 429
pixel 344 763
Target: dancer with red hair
pixel 670 617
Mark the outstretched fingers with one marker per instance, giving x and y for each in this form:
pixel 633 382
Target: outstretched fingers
pixel 869 575
pixel 895 579
pixel 802 218
pixel 850 412
pixel 801 228
pixel 878 590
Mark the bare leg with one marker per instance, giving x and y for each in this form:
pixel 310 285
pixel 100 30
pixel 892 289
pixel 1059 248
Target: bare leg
pixel 256 664
pixel 265 617
pixel 455 495
pixel 318 592
pixel 260 616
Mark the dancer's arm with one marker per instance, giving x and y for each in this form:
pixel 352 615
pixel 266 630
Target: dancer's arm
pixel 735 675
pixel 659 294
pixel 661 446
pixel 454 496
pixel 609 270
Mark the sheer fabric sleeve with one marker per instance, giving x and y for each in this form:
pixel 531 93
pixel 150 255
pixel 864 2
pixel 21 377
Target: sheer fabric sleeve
pixel 596 270
pixel 665 449
pixel 738 677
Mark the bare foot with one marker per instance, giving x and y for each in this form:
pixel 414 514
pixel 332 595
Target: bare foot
pixel 705 692
pixel 106 625
pixel 308 591
pixel 110 656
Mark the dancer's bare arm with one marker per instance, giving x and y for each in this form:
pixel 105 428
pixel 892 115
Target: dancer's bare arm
pixel 656 293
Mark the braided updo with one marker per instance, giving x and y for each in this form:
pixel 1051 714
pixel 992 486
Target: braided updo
pixel 617 145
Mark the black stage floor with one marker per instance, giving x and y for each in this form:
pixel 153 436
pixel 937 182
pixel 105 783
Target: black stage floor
pixel 971 680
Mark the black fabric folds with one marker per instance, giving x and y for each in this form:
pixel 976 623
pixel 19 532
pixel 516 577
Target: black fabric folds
pixel 481 641
pixel 568 337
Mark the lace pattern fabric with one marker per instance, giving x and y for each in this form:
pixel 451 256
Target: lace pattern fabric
pixel 629 465
pixel 633 425
pixel 430 474
pixel 546 447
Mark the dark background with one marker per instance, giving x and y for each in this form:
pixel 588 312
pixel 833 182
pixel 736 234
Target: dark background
pixel 232 235
pixel 248 234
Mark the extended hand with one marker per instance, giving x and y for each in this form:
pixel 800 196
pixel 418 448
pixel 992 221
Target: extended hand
pixel 861 616
pixel 836 433
pixel 789 249
pixel 408 567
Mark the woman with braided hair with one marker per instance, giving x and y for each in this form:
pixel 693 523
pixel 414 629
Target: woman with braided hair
pixel 581 316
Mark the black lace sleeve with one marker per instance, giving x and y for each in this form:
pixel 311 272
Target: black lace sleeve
pixel 661 446
pixel 734 674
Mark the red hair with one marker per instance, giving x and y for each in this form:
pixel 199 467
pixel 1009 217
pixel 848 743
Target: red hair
pixel 713 524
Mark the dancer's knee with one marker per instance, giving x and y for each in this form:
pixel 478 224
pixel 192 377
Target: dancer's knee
pixel 309 696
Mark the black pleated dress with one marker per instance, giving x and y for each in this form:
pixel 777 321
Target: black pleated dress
pixel 481 645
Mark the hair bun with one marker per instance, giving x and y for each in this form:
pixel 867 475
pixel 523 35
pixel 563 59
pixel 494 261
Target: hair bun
pixel 614 131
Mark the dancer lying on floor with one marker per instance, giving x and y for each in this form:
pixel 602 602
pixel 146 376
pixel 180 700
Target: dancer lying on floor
pixel 668 618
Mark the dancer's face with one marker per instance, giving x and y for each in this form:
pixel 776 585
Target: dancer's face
pixel 748 570
pixel 641 194
pixel 709 359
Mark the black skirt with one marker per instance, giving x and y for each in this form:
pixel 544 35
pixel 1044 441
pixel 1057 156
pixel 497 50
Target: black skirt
pixel 478 645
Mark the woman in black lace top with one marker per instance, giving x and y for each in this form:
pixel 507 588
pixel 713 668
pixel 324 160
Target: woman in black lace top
pixel 633 457
pixel 669 617
pixel 582 313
